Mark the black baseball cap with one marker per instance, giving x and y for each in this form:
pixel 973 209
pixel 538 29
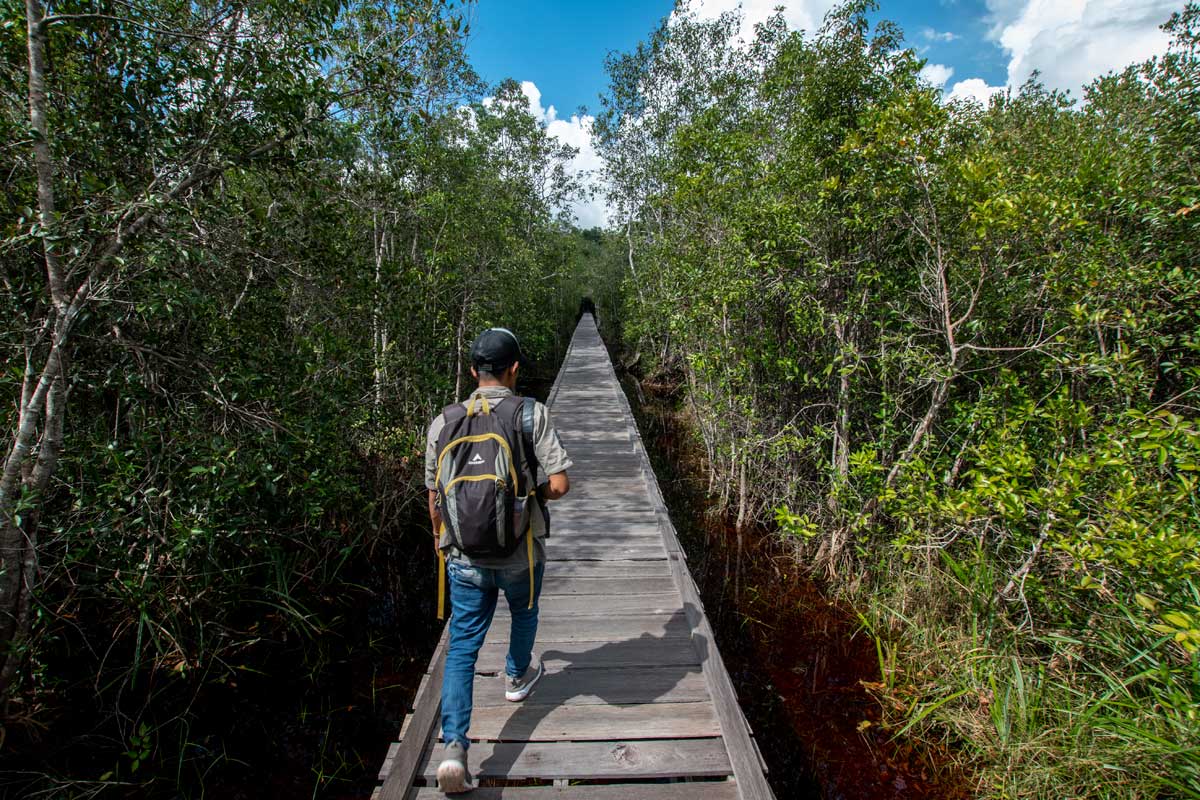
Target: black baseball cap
pixel 495 350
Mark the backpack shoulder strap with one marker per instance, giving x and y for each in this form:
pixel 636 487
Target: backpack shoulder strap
pixel 527 408
pixel 452 418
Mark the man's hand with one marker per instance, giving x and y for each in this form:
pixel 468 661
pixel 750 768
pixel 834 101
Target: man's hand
pixel 557 486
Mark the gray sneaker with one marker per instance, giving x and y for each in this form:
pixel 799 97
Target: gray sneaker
pixel 517 689
pixel 453 777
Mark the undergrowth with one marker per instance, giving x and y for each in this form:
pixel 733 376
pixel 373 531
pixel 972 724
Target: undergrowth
pixel 1103 710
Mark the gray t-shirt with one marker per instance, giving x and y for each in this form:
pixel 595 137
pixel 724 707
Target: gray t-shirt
pixel 552 458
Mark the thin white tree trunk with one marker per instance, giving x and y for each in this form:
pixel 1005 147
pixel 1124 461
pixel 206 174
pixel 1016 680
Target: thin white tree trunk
pixel 459 341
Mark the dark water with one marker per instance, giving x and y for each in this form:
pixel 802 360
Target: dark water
pixel 800 664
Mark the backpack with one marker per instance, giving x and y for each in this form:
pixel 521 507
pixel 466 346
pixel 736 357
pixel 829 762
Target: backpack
pixel 486 473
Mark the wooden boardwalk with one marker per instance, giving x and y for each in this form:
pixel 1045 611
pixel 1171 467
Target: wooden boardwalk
pixel 636 702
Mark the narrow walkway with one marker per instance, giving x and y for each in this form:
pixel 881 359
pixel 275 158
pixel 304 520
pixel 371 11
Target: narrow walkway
pixel 636 702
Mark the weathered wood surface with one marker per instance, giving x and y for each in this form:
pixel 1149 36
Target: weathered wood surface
pixel 634 687
pixel 708 790
pixel 647 652
pixel 658 758
pixel 624 686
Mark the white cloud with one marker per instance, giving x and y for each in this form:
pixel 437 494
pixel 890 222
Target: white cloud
pixel 534 95
pixel 929 34
pixel 577 132
pixel 804 15
pixel 975 89
pixel 937 74
pixel 1070 42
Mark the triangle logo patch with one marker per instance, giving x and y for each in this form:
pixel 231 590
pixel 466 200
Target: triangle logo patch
pixel 476 461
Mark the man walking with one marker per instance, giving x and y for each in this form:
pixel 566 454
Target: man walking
pixel 484 460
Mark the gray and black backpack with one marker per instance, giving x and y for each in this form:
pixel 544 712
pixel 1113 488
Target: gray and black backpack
pixel 486 474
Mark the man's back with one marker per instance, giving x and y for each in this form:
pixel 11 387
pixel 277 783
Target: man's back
pixel 475 583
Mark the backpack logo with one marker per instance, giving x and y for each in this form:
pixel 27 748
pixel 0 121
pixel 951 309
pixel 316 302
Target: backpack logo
pixel 476 461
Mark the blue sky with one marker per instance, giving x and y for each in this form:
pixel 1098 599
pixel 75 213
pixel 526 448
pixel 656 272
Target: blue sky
pixel 560 46
pixel 974 48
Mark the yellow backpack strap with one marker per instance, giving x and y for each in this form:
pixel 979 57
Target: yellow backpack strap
pixel 529 549
pixel 484 406
pixel 441 603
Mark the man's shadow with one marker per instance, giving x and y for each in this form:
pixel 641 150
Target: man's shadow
pixel 600 672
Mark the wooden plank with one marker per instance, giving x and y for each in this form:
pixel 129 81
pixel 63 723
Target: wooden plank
pixel 570 437
pixel 617 760
pixel 585 472
pixel 517 722
pixel 700 790
pixel 591 552
pixel 647 651
pixel 600 514
pixel 589 687
pixel 555 586
pixel 428 703
pixel 606 569
pixel 564 511
pixel 393 748
pixel 592 506
pixel 606 534
pixel 610 483
pixel 594 523
pixel 589 605
pixel 604 631
pixel 589 415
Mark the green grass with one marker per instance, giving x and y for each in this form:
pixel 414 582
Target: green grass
pixel 1106 712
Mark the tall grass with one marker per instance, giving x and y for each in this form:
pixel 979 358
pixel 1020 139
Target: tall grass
pixel 1105 711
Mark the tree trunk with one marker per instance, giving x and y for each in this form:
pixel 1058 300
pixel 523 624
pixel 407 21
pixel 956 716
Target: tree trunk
pixel 629 242
pixel 459 337
pixel 935 405
pixel 378 331
pixel 41 395
pixel 840 456
pixel 42 157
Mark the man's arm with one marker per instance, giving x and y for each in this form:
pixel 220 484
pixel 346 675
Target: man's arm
pixel 550 454
pixel 557 486
pixel 435 517
pixel 431 438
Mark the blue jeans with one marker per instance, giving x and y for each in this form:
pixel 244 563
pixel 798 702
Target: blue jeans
pixel 473 595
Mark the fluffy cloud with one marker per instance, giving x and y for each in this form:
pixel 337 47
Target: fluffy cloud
pixel 975 89
pixel 800 14
pixel 936 74
pixel 577 132
pixel 1070 42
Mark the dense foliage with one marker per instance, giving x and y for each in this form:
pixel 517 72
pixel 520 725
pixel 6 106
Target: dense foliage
pixel 952 354
pixel 244 247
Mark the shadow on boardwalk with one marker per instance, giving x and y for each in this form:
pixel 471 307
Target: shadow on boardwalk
pixel 596 672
